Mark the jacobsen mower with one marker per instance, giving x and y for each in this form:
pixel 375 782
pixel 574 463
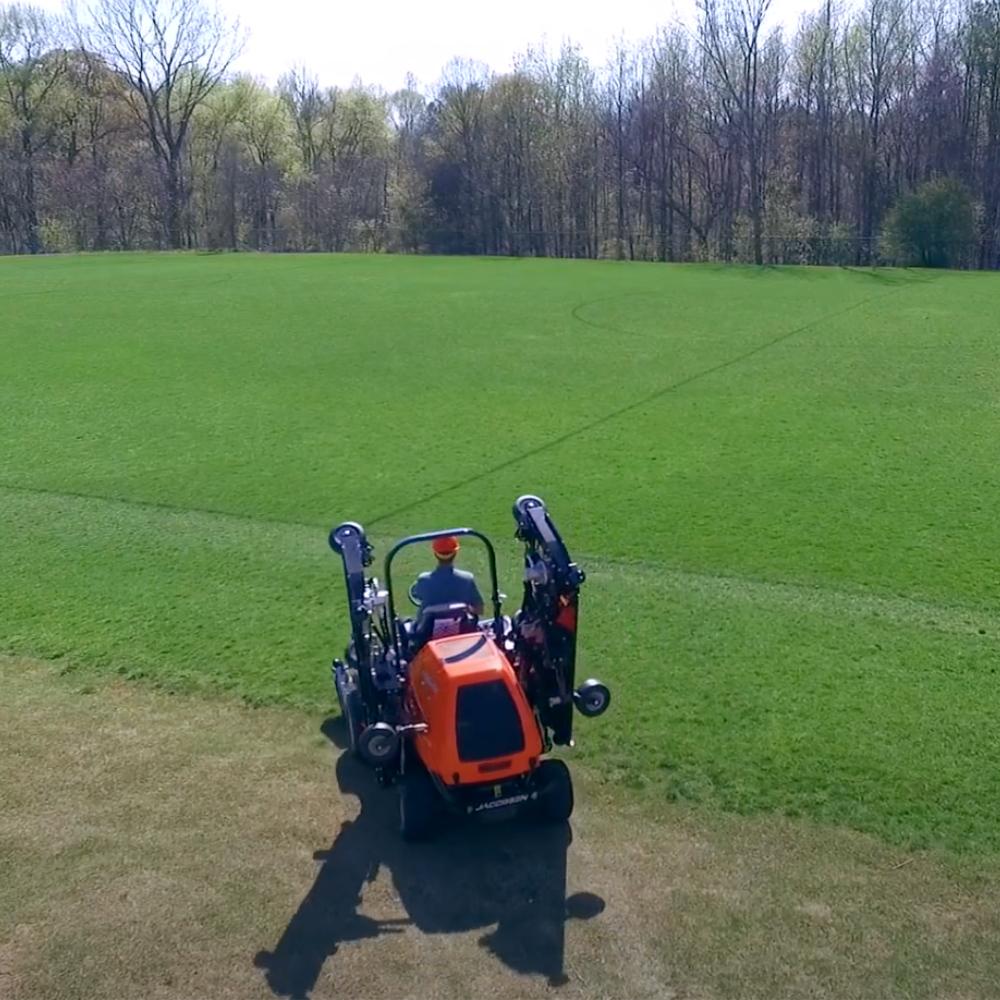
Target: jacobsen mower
pixel 457 710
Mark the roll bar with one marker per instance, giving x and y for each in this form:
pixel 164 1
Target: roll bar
pixel 429 536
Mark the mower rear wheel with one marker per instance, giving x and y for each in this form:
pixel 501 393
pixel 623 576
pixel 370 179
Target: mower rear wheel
pixel 418 804
pixel 555 791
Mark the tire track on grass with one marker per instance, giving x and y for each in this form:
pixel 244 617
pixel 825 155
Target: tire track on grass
pixel 634 404
pixel 719 588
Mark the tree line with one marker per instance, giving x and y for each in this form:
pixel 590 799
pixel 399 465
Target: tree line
pixel 124 127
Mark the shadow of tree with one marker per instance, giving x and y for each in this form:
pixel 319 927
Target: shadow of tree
pixel 508 878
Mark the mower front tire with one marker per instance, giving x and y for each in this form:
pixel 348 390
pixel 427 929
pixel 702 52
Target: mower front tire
pixel 418 805
pixel 555 791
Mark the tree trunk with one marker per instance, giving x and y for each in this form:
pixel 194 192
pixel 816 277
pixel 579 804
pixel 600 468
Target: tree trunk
pixel 756 211
pixel 174 197
pixel 30 196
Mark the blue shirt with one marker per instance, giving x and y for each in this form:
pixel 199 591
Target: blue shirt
pixel 447 585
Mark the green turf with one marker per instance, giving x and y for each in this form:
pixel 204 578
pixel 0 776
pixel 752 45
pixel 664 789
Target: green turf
pixel 782 481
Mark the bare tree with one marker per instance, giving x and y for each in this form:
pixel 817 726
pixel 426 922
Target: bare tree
pixel 622 99
pixel 460 185
pixel 874 51
pixel 171 54
pixel 813 97
pixel 301 94
pixel 266 131
pixel 731 37
pixel 30 68
pixel 719 143
pixel 981 58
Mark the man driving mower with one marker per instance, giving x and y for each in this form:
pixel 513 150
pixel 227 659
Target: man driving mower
pixel 445 584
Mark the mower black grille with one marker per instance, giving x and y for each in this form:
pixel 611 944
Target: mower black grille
pixel 487 722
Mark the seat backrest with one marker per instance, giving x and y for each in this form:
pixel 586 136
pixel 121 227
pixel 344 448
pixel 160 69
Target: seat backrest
pixel 446 626
pixel 437 620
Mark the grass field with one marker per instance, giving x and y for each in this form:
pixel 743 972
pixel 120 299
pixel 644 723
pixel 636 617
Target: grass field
pixel 782 483
pixel 121 876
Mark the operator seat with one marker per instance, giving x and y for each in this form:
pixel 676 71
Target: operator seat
pixel 437 620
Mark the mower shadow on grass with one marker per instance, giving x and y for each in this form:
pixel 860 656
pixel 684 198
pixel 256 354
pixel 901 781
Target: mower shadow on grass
pixel 508 879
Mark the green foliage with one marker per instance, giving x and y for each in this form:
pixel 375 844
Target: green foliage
pixel 265 127
pixel 792 238
pixel 31 70
pixel 791 556
pixel 840 244
pixel 933 227
pixel 57 236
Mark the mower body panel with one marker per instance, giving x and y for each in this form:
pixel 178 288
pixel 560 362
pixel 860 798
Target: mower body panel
pixel 480 727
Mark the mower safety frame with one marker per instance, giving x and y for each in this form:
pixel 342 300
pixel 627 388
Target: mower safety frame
pixel 429 536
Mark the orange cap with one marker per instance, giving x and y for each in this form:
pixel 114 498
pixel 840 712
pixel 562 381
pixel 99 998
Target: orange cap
pixel 445 547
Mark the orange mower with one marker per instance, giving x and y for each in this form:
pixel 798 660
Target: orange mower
pixel 460 711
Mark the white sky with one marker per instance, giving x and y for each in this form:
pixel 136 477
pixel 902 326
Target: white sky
pixel 379 41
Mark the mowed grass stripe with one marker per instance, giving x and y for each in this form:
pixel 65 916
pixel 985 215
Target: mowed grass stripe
pixel 898 285
pixel 643 401
pixel 856 461
pixel 824 601
pixel 899 282
pixel 855 709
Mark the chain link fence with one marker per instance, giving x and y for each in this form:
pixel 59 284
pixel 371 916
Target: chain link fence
pixel 776 249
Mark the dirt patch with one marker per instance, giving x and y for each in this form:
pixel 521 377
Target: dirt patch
pixel 172 847
pixel 815 911
pixel 7 982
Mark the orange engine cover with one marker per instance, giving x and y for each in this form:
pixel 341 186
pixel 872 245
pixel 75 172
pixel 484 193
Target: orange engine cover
pixel 480 727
